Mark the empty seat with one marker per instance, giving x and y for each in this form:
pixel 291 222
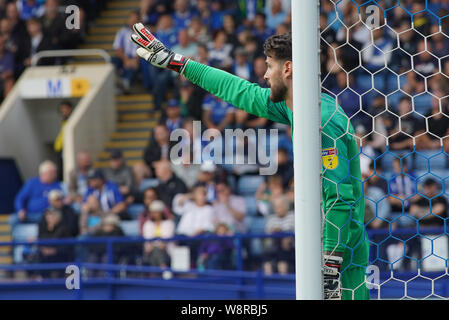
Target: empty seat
pixel 130 228
pixel 248 185
pixel 148 183
pixel 135 209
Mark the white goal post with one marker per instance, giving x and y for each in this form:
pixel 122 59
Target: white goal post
pixel 306 148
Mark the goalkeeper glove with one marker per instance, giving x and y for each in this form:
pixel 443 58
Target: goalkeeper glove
pixel 154 51
pixel 331 277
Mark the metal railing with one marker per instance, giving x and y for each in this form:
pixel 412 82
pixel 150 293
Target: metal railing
pixel 70 53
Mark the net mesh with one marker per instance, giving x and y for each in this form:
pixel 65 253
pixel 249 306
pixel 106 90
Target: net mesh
pixel 386 63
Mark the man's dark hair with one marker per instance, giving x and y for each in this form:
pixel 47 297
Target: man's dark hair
pixel 66 103
pixel 279 47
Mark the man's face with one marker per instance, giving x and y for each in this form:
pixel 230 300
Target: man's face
pixel 49 175
pixel 273 76
pixel 65 110
pixel 57 203
pixel 95 183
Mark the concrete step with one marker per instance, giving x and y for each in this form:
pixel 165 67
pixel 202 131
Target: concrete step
pixel 105 164
pixel 5 259
pixel 138 135
pixel 100 38
pixel 111 21
pixel 104 30
pixel 124 5
pixel 135 125
pixel 143 116
pixel 136 98
pixel 124 144
pixel 135 154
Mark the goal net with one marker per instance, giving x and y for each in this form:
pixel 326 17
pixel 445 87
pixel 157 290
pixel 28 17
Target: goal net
pixel 387 65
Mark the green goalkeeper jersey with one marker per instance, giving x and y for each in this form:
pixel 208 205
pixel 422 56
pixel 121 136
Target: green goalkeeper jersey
pixel 343 202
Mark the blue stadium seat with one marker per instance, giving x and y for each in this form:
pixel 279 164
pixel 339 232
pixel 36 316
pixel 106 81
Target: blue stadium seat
pixel 148 183
pixel 130 228
pixel 364 82
pixel 257 225
pixel 435 158
pixel 251 205
pixel 135 209
pixel 388 157
pixel 423 103
pixel 22 232
pixel 248 185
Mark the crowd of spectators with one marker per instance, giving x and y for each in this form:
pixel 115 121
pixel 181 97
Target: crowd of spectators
pixel 30 26
pixel 195 199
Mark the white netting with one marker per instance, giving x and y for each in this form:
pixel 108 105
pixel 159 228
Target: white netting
pixel 387 64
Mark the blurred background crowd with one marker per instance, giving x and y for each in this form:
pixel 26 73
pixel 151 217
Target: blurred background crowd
pixel 393 86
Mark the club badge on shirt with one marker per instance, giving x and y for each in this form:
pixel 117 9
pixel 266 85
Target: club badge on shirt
pixel 330 158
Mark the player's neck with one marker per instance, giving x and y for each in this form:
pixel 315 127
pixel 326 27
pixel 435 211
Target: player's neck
pixel 289 99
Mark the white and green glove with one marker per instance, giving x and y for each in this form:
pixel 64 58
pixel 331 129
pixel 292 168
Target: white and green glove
pixel 154 51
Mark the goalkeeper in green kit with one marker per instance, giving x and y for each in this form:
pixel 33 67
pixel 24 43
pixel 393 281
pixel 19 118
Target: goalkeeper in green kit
pixel 344 238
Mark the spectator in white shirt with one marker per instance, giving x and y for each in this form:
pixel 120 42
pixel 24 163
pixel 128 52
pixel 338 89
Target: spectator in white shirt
pixel 197 216
pixel 156 253
pixel 229 209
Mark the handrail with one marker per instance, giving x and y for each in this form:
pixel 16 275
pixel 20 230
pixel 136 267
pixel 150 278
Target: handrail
pixel 70 53
pixel 237 236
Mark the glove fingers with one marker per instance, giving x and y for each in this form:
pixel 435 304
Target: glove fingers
pixel 143 32
pixel 140 41
pixel 144 54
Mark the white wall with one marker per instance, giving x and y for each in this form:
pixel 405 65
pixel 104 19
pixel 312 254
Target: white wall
pixel 27 125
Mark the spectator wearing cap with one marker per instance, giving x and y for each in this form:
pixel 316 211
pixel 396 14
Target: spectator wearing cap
pixel 217 114
pixel 207 177
pixel 107 193
pixel 172 118
pixel 149 196
pixel 32 199
pixel 169 184
pixel 156 252
pixel 77 185
pixel 69 218
pixel 229 209
pixel 120 174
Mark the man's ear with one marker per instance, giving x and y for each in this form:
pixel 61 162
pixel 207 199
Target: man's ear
pixel 288 69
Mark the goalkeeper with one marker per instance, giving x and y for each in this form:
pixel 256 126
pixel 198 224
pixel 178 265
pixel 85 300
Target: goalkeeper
pixel 344 241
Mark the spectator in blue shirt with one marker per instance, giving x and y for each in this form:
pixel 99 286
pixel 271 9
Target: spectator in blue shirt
pixel 108 193
pixel 32 199
pixel 217 114
pixel 172 118
pixel 127 62
pixel 30 8
pixel 260 29
pixel 183 14
pixel 6 69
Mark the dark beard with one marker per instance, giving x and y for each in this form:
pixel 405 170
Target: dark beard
pixel 278 94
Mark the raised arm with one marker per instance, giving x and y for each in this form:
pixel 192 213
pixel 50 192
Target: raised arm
pixel 241 93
